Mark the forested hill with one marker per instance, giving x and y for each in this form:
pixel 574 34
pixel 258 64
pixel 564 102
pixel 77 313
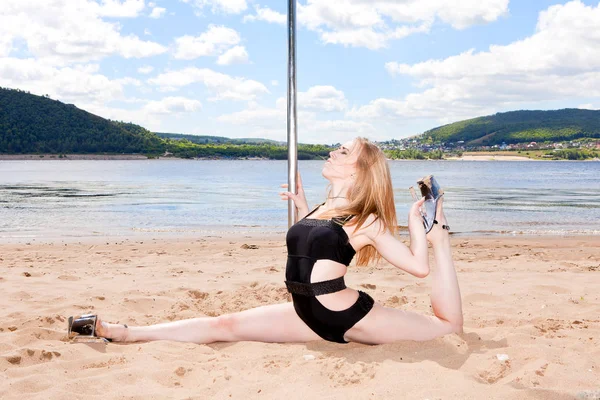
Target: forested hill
pixel 38 124
pixel 520 126
pixel 31 124
pixel 204 139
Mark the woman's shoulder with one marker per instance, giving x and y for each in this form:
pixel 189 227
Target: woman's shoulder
pixel 371 226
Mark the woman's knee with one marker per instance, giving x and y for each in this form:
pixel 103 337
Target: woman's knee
pixel 225 327
pixel 457 327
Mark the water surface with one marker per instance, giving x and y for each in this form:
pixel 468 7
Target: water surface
pixel 80 198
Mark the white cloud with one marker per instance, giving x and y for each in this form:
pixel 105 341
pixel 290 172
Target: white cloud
pixel 6 45
pixel 223 86
pixel 147 32
pixel 173 105
pixel 370 38
pixel 235 55
pixel 588 106
pixel 322 98
pixel 318 98
pixel 116 8
pixel 128 81
pixel 274 83
pixel 219 6
pixel 267 15
pixel 157 12
pixel 65 31
pixel 70 85
pixel 259 117
pixel 139 116
pixel 373 23
pixel 271 122
pixel 215 41
pixel 559 61
pixel 146 69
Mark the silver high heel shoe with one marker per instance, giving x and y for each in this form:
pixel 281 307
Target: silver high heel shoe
pixel 432 192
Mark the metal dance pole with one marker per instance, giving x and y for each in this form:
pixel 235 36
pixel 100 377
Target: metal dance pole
pixel 292 128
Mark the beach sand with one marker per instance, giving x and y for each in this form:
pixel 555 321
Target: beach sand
pixel 535 300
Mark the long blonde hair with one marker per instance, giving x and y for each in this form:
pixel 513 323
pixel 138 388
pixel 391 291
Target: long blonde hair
pixel 371 193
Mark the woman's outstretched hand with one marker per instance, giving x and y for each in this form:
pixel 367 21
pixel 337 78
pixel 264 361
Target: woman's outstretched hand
pixel 299 198
pixel 437 234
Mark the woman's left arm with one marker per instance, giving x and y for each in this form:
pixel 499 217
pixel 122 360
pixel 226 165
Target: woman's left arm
pixel 413 259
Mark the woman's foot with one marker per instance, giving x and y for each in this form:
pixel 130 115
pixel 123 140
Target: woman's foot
pixel 115 332
pixel 440 231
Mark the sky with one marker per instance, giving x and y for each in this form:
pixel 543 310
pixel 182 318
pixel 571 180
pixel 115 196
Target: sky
pixel 381 69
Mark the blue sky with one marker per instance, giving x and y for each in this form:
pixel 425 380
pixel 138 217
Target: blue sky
pixel 384 69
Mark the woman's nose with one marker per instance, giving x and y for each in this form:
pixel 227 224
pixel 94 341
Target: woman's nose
pixel 331 154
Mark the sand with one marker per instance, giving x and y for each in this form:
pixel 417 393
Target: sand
pixel 531 305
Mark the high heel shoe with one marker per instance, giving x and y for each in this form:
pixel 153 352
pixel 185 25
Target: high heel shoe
pixel 432 192
pixel 83 329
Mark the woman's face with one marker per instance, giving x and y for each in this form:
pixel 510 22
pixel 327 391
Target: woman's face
pixel 341 163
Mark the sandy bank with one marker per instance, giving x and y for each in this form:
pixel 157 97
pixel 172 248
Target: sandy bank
pixel 535 300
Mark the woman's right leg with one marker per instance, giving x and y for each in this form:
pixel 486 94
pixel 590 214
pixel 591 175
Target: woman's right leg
pixel 272 323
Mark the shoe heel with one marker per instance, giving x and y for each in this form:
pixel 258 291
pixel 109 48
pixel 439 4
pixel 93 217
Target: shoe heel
pixel 432 192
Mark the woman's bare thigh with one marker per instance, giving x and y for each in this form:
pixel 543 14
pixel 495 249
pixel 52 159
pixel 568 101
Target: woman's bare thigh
pixel 387 325
pixel 276 323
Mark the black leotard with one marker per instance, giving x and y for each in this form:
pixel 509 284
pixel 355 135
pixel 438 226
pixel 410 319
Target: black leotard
pixel 310 240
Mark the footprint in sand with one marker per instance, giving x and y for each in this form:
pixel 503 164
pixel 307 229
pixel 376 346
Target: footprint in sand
pixel 369 286
pixel 275 366
pixel 549 328
pixel 198 295
pixel 342 373
pixel 26 357
pixel 69 278
pixel 103 364
pixel 494 372
pixel 396 301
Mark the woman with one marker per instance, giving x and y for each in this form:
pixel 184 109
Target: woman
pixel 357 217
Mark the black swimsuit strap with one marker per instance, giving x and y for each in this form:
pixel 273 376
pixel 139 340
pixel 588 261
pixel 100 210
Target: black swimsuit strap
pixel 313 210
pixel 342 220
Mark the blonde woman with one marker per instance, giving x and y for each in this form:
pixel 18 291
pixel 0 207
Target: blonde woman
pixel 357 218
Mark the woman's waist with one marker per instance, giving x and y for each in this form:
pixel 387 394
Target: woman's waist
pixel 314 257
pixel 306 286
pixel 307 272
pixel 337 301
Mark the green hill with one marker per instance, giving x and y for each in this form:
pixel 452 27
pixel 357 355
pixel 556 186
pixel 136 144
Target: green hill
pixel 38 124
pixel 520 126
pixel 31 124
pixel 203 139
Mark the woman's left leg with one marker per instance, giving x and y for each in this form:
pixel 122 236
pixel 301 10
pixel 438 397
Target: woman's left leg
pixel 386 325
pixel 273 323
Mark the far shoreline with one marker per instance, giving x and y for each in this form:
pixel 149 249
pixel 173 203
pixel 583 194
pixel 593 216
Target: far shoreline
pixel 485 156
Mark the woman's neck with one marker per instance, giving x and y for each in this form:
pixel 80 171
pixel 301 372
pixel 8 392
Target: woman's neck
pixel 338 196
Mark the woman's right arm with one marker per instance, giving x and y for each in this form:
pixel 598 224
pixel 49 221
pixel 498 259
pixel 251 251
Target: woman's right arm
pixel 298 198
